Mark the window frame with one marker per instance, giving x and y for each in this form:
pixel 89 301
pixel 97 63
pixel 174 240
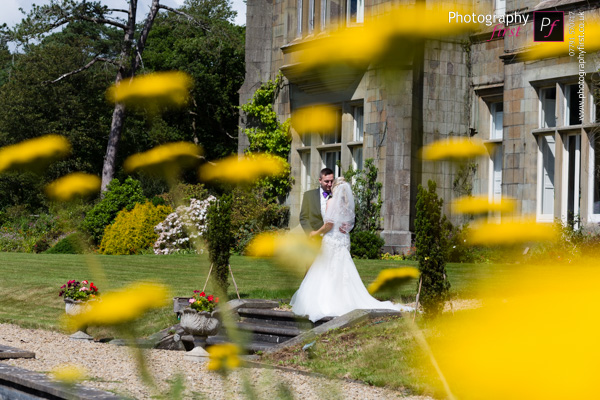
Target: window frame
pixel 541 181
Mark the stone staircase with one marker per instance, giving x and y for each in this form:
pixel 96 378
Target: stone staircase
pixel 264 328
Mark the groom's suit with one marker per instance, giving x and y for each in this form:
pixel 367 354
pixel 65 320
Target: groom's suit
pixel 310 212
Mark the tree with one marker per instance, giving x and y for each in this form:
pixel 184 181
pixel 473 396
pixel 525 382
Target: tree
pixel 431 231
pixel 45 19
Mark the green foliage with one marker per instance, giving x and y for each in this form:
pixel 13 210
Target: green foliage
pixel 21 231
pixel 22 189
pixel 251 214
pixel 72 244
pixel 182 193
pixel 365 244
pixel 463 181
pixel 117 197
pixel 367 196
pixel 267 135
pixel 133 231
pixel 459 250
pixel 220 239
pixel 431 230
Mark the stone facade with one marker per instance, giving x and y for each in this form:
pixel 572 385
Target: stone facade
pixel 466 86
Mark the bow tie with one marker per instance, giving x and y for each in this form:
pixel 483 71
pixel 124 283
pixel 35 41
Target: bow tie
pixel 325 195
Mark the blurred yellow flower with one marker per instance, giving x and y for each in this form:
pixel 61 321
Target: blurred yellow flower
pixel 393 278
pixel 454 148
pixel 69 373
pixel 121 306
pixel 590 44
pixel 293 251
pixel 535 337
pixel 482 204
pixel 73 185
pixel 511 231
pixel 315 120
pixel 243 169
pixel 34 153
pixel 160 87
pixel 223 357
pixel 165 159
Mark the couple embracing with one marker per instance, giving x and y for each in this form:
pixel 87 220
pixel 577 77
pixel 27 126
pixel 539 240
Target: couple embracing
pixel 332 286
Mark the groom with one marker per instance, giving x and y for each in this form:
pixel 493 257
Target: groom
pixel 315 201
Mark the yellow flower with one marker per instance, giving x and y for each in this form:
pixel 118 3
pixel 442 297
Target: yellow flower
pixel 393 278
pixel 511 231
pixel 166 159
pixel 160 87
pixel 454 148
pixel 69 373
pixel 73 185
pixel 121 306
pixel 293 252
pixel 482 204
pixel 244 169
pixel 223 357
pixel 534 338
pixel 34 153
pixel 315 120
pixel 590 44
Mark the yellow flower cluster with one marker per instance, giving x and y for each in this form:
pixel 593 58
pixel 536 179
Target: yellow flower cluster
pixel 511 231
pixel 393 278
pixel 77 184
pixel 167 158
pixel 121 306
pixel 34 153
pixel 223 357
pixel 454 148
pixel 170 88
pixel 69 373
pixel 556 49
pixel 249 168
pixel 482 204
pixel 314 120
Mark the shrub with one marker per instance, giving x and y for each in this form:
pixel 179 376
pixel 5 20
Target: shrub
pixel 459 249
pixel 431 230
pixel 367 196
pixel 133 230
pixel 182 193
pixel 219 239
pixel 117 197
pixel 72 244
pixel 182 230
pixel 365 245
pixel 23 232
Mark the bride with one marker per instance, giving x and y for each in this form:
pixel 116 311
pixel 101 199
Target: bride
pixel 332 286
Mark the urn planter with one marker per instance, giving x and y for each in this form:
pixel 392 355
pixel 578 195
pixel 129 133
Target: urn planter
pixel 72 308
pixel 199 324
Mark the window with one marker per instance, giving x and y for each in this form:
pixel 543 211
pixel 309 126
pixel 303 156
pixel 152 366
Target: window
pixel 305 174
pixel 573 103
pixel 331 159
pixel 355 11
pixel 500 7
pixel 357 157
pixel 571 179
pixel 548 107
pixel 497 111
pixel 495 186
pixel 311 16
pixel 595 177
pixel 358 124
pixel 336 135
pixel 299 11
pixel 546 155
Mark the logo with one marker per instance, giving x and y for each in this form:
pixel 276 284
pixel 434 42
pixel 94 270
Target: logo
pixel 548 26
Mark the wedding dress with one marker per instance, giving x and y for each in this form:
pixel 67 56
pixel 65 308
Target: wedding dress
pixel 332 286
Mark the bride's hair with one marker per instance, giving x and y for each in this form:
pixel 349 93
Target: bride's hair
pixel 338 182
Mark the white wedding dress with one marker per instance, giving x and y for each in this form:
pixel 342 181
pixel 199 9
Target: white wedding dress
pixel 332 286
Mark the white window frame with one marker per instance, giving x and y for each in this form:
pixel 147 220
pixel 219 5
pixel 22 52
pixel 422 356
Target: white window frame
pixel 359 123
pixel 567 106
pixel 336 169
pixel 311 16
pixel 360 12
pixel 494 120
pixel 542 114
pixel 540 182
pixel 592 152
pixel 305 174
pixel 499 7
pixel 299 11
pixel 496 158
pixel 355 151
pixel 565 176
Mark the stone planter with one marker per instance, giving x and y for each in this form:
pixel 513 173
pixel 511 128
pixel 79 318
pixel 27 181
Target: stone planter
pixel 200 325
pixel 75 307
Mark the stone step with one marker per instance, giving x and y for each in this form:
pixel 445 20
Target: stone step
pixel 270 329
pixel 251 347
pixel 277 317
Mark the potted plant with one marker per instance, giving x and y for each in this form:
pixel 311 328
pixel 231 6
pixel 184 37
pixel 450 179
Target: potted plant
pixel 76 294
pixel 200 319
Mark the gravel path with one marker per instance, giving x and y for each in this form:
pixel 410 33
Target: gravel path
pixel 111 368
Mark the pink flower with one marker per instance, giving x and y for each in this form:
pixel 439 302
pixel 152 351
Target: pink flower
pixel 83 289
pixel 192 301
pixel 84 282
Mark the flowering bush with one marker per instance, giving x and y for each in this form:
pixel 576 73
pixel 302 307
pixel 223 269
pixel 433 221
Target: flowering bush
pixel 183 229
pixel 79 290
pixel 202 302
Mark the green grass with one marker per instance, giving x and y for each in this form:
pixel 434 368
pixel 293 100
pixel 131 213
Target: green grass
pixel 30 282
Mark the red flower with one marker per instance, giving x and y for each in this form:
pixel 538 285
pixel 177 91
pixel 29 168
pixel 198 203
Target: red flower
pixel 202 294
pixel 209 298
pixel 217 300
